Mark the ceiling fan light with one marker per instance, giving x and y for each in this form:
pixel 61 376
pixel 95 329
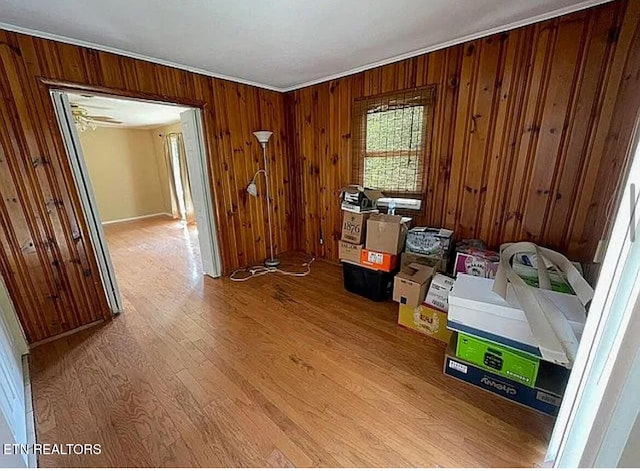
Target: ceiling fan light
pixel 81 119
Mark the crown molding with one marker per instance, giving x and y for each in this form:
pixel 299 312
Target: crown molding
pixel 453 42
pixel 133 55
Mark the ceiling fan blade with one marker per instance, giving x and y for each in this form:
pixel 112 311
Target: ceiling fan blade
pixel 88 106
pixel 104 119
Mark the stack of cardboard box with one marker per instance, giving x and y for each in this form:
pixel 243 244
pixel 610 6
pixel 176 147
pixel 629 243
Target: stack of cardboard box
pixel 421 287
pixel 385 239
pixel 354 228
pixel 494 347
pixel 370 244
pixel 489 340
pixel 357 205
pixel 422 295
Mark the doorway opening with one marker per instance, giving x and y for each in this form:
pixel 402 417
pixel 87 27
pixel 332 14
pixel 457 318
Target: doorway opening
pixel 141 172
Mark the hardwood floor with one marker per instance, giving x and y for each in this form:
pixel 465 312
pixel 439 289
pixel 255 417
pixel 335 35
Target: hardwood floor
pixel 276 371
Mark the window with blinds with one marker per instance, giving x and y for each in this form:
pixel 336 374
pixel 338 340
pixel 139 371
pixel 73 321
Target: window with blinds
pixel 391 134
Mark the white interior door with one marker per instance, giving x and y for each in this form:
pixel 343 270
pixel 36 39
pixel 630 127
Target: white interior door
pixel 13 408
pixel 87 198
pixel 192 130
pixel 602 402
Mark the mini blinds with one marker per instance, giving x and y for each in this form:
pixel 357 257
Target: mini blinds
pixel 391 134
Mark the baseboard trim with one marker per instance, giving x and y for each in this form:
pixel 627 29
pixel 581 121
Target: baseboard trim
pixel 32 458
pixel 66 334
pixel 135 218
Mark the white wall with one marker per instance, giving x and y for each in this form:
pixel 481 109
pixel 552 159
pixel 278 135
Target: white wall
pixel 125 172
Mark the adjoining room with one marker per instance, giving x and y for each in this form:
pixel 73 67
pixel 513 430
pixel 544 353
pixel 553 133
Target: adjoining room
pixel 312 234
pixel 136 163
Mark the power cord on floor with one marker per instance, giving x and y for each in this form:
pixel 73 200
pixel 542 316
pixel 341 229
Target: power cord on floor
pixel 259 270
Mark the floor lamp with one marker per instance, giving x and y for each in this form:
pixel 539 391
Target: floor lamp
pixel 263 139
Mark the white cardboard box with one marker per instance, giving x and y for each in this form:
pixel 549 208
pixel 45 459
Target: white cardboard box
pixel 475 309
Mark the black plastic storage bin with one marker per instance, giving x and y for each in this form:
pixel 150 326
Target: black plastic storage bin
pixel 372 284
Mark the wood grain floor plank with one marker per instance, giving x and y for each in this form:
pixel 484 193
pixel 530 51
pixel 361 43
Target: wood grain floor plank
pixel 276 371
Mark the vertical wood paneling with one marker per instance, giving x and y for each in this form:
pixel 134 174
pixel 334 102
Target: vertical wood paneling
pixel 46 256
pixel 607 151
pixel 528 134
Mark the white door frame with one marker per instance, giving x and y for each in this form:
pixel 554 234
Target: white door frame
pixel 193 131
pixel 87 198
pixel 199 176
pixel 602 401
pixel 14 406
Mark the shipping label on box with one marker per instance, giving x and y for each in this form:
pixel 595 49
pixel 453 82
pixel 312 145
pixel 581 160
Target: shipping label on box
pixel 354 226
pixel 437 300
pixel 378 260
pixel 425 320
pixel 438 294
pixel 349 252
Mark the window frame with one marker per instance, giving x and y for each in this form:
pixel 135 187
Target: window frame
pixel 422 96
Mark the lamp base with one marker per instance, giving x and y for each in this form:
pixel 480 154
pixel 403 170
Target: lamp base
pixel 271 262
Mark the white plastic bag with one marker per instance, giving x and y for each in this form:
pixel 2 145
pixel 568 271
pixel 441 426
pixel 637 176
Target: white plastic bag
pixel 549 325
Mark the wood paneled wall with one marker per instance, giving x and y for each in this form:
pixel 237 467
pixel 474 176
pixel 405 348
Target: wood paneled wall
pixel 528 138
pixel 530 134
pixel 45 254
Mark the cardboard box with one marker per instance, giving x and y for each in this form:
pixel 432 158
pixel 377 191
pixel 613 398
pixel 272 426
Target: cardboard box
pixel 410 285
pixel 386 233
pixel 504 361
pixel 378 260
pixel 426 320
pixel 407 258
pixel 526 267
pixel 545 397
pixel 357 199
pixel 476 262
pixel 354 226
pixel 476 309
pixel 438 294
pixel 429 241
pixel 349 252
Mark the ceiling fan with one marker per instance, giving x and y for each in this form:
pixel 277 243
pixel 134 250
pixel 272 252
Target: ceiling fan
pixel 85 121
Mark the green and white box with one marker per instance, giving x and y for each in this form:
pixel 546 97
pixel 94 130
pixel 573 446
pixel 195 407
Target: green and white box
pixel 508 362
pixel 474 308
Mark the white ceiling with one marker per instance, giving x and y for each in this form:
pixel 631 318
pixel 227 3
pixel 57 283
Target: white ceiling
pixel 131 113
pixel 277 44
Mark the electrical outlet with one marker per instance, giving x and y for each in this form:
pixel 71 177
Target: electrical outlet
pixel 321 241
pixel 600 251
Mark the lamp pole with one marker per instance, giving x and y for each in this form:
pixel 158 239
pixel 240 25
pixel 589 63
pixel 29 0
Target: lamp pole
pixel 263 138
